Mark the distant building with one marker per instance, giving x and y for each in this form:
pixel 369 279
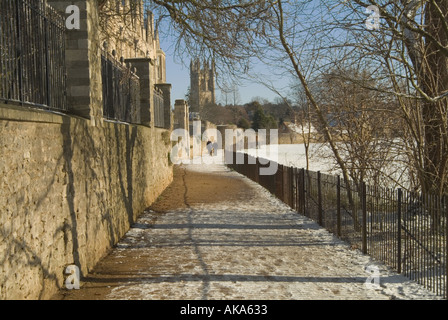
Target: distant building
pixel 128 35
pixel 128 29
pixel 202 85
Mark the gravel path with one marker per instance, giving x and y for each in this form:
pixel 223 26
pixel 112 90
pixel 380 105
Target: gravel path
pixel 216 235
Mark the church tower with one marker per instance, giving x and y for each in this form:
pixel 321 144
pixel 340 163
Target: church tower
pixel 202 85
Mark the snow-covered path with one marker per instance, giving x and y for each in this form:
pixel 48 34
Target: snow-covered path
pixel 231 239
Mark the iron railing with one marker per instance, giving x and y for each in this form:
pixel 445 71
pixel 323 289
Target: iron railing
pixel 405 230
pixel 121 90
pixel 32 54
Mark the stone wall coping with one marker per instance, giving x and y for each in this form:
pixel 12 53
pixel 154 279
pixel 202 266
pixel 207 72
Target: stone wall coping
pixel 14 112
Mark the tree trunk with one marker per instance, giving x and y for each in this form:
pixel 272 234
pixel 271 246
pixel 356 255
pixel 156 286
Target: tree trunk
pixel 430 61
pixel 433 77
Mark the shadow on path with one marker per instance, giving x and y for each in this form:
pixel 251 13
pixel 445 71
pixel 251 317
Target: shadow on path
pixel 214 234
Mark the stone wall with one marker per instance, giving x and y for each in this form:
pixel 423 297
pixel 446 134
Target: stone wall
pixel 181 115
pixel 68 192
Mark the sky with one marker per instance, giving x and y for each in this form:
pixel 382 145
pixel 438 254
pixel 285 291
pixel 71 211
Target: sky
pixel 178 75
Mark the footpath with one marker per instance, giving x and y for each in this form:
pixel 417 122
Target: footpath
pixel 216 235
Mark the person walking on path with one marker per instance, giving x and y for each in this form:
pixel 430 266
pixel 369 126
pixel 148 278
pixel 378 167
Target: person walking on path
pixel 210 148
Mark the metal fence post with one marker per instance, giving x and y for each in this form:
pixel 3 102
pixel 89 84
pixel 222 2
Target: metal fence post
pixel 339 206
pixel 282 184
pixel 291 186
pixel 19 52
pixel 296 184
pixel 303 192
pixel 446 246
pixel 49 102
pixel 364 218
pixel 400 196
pixel 319 191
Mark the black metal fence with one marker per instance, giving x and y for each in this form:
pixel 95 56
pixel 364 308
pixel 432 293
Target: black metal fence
pixel 121 90
pixel 407 231
pixel 32 54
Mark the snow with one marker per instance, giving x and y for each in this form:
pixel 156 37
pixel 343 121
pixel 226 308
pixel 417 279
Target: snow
pixel 294 155
pixel 256 248
pixel 321 159
pixel 285 154
pixel 301 129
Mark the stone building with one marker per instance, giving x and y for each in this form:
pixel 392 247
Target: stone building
pixel 202 85
pixel 128 29
pixel 72 182
pixel 128 32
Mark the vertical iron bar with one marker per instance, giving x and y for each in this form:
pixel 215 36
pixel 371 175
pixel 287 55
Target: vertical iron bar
pixel 364 219
pixel 339 206
pixel 432 236
pixel 420 238
pixel 383 204
pixel 319 197
pixel 436 247
pixel 281 192
pixel 291 185
pixel 425 243
pixel 446 247
pixel 257 171
pixel 294 183
pixel 3 54
pixel 297 189
pixel 47 62
pixel 303 193
pixel 386 197
pixel 391 213
pixel 414 264
pixel 443 212
pixel 19 56
pixel 400 196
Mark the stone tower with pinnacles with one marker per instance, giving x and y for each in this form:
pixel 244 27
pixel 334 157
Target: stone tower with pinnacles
pixel 202 85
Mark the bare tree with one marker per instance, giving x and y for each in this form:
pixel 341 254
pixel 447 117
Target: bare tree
pixel 230 93
pixel 410 51
pixel 407 56
pixel 121 24
pixel 304 122
pixel 365 124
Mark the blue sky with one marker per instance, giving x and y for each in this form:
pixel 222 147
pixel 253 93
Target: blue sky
pixel 179 76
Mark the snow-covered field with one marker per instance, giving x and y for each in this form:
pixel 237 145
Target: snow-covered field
pixel 321 158
pixel 294 155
